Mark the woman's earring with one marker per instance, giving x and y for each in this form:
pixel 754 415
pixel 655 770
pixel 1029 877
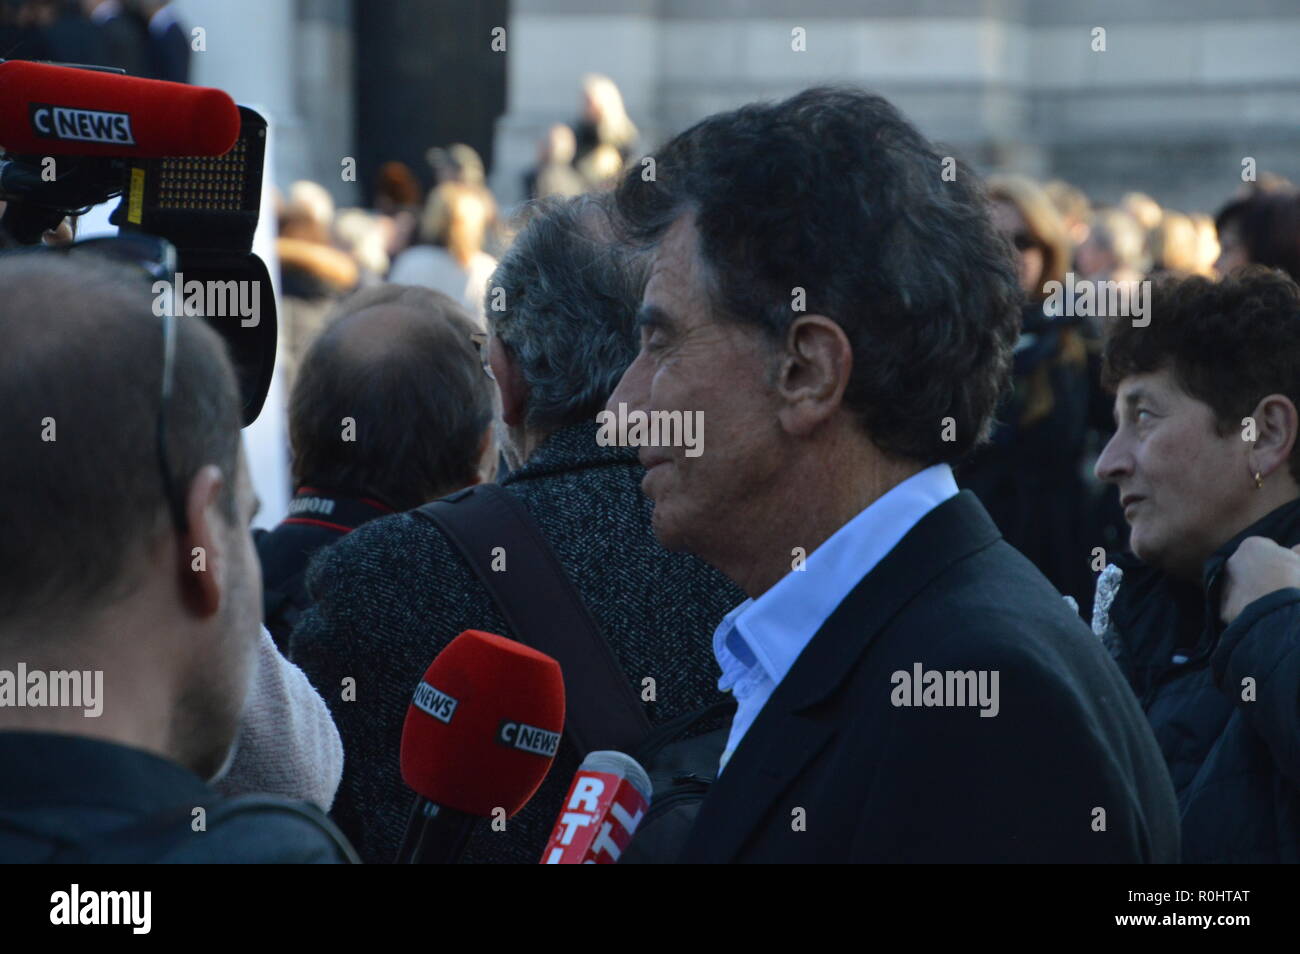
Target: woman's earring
pixel 1259 481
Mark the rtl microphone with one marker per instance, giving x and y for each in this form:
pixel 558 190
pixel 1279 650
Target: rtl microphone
pixel 606 802
pixel 48 110
pixel 481 732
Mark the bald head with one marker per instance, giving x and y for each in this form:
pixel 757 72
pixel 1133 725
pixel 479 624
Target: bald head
pixel 399 362
pixel 377 335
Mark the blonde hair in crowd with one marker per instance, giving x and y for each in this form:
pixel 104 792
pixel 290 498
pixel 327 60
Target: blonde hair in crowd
pixel 1041 218
pixel 456 216
pixel 1047 227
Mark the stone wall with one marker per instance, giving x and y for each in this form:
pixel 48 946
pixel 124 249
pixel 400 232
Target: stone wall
pixel 1182 92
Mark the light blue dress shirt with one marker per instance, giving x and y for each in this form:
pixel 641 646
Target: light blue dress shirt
pixel 758 641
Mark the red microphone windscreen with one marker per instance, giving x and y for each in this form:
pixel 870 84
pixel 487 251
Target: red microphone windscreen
pixel 59 110
pixel 484 725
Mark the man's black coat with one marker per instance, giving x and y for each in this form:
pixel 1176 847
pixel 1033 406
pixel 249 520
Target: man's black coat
pixel 833 770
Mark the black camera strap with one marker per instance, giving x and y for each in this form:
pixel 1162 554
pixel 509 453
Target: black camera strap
pixel 545 611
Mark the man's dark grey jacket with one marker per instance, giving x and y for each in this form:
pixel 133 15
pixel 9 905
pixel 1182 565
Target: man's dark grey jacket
pixel 391 595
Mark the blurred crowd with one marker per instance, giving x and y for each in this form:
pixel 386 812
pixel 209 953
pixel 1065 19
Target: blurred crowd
pixel 447 237
pixel 451 375
pixel 1035 476
pixel 143 37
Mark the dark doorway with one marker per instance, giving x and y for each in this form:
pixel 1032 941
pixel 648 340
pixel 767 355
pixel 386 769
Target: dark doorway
pixel 426 75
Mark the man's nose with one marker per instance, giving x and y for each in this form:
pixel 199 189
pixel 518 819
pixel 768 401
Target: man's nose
pixel 632 387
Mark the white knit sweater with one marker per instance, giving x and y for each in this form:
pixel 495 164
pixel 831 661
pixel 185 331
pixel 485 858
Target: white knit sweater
pixel 287 743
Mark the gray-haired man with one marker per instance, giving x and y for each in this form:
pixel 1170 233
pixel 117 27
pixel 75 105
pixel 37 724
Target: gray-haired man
pixel 562 341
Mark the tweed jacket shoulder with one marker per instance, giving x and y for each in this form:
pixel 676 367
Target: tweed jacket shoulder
pixel 392 594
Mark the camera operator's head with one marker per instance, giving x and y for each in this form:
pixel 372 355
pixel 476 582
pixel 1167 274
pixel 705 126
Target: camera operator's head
pixel 124 533
pixel 401 363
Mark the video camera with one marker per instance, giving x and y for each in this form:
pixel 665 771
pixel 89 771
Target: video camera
pixel 188 164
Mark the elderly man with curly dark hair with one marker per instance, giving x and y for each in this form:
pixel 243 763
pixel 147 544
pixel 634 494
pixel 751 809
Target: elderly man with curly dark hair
pixel 829 293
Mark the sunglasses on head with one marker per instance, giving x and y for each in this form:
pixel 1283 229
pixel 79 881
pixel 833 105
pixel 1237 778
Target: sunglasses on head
pixel 156 259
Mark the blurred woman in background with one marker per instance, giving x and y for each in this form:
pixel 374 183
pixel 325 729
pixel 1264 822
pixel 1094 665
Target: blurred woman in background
pixel 398 200
pixel 450 258
pixel 1114 249
pixel 1261 229
pixel 1029 476
pixel 1174 246
pixel 604 134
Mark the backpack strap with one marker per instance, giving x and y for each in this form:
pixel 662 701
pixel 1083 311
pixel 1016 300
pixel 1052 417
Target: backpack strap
pixel 677 728
pixel 545 611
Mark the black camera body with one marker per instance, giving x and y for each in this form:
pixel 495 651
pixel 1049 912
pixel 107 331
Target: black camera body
pixel 204 212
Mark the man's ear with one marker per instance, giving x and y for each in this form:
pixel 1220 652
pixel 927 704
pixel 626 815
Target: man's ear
pixel 510 382
pixel 203 557
pixel 813 374
pixel 1276 423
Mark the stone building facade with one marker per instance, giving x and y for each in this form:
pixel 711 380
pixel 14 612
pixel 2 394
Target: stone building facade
pixel 1182 92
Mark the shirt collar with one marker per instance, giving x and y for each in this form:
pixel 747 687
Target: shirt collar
pixel 773 629
pixel 734 657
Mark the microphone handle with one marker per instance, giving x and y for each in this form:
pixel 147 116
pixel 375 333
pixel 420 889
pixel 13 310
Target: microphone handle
pixel 435 835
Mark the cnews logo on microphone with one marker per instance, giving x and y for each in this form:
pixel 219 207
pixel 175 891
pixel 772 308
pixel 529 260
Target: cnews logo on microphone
pixel 529 738
pixel 81 125
pixel 438 704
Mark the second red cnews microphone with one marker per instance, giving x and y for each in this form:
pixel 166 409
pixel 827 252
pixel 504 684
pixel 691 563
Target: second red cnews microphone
pixel 480 735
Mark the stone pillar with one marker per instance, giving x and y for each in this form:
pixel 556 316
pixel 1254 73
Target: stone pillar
pixel 324 96
pixel 293 62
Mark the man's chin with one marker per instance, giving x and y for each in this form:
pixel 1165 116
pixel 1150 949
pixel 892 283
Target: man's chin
pixel 666 531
